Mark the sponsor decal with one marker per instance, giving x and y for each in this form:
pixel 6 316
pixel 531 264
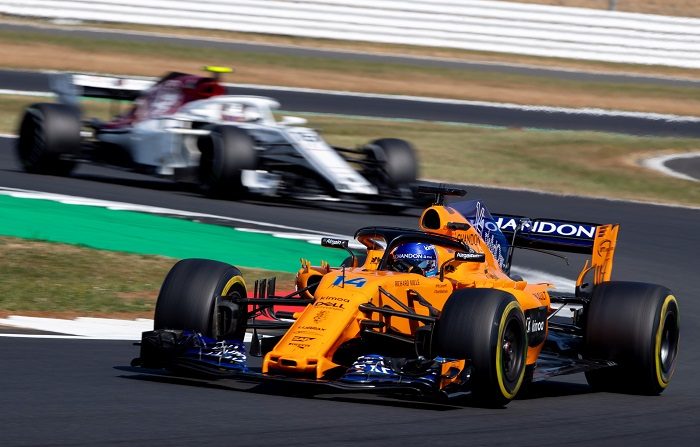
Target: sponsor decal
pixel 331 242
pixel 542 296
pixel 544 227
pixel 312 328
pixel 469 257
pixel 299 338
pixel 470 239
pixel 535 325
pixel 491 234
pixel 407 283
pixel 604 248
pixel 337 306
pixel 333 298
pixel 320 316
pixel 375 260
pixel 442 288
pixel 419 256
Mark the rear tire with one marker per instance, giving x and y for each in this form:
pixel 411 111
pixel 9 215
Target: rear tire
pixel 198 295
pixel 637 326
pixel 396 159
pixel 486 327
pixel 226 152
pixel 47 132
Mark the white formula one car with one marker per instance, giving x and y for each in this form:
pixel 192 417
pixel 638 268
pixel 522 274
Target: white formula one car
pixel 187 128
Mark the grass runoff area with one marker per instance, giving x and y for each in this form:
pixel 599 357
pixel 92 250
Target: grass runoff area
pixel 566 162
pixel 66 281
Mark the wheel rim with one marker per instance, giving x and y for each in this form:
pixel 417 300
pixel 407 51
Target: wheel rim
pixel 228 317
pixel 512 346
pixel 669 343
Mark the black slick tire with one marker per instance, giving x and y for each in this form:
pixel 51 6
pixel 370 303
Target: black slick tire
pixel 637 326
pixel 487 328
pixel 397 160
pixel 46 133
pixel 198 295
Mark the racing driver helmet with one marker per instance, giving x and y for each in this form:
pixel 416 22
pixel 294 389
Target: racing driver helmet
pixel 414 257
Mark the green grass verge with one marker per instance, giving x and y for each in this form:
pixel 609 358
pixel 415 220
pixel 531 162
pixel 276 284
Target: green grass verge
pixel 567 162
pixel 41 278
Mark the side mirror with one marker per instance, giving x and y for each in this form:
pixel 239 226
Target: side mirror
pixel 331 242
pixel 292 121
pixel 461 256
pixel 334 243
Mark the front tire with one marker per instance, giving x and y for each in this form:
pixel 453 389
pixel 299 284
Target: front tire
pixel 487 328
pixel 200 295
pixel 637 326
pixel 47 132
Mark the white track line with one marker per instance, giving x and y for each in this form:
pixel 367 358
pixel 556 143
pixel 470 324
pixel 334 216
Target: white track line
pixel 82 328
pixel 26 93
pixel 659 164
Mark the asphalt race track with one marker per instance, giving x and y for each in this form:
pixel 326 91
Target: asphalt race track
pixel 70 392
pixel 388 107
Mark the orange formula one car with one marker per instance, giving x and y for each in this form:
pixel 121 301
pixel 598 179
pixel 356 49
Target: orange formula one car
pixel 431 311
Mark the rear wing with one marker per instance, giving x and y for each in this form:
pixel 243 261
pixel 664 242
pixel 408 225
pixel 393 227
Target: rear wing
pixel 70 87
pixel 547 234
pixel 566 236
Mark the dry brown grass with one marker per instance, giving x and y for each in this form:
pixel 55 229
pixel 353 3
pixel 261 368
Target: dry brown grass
pixel 367 78
pixel 682 8
pixel 45 279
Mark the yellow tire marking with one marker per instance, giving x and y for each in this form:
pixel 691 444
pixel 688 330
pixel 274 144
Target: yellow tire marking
pixel 235 280
pixel 499 354
pixel 663 383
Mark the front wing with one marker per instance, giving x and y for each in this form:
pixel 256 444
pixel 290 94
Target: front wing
pixel 178 354
pixel 187 355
